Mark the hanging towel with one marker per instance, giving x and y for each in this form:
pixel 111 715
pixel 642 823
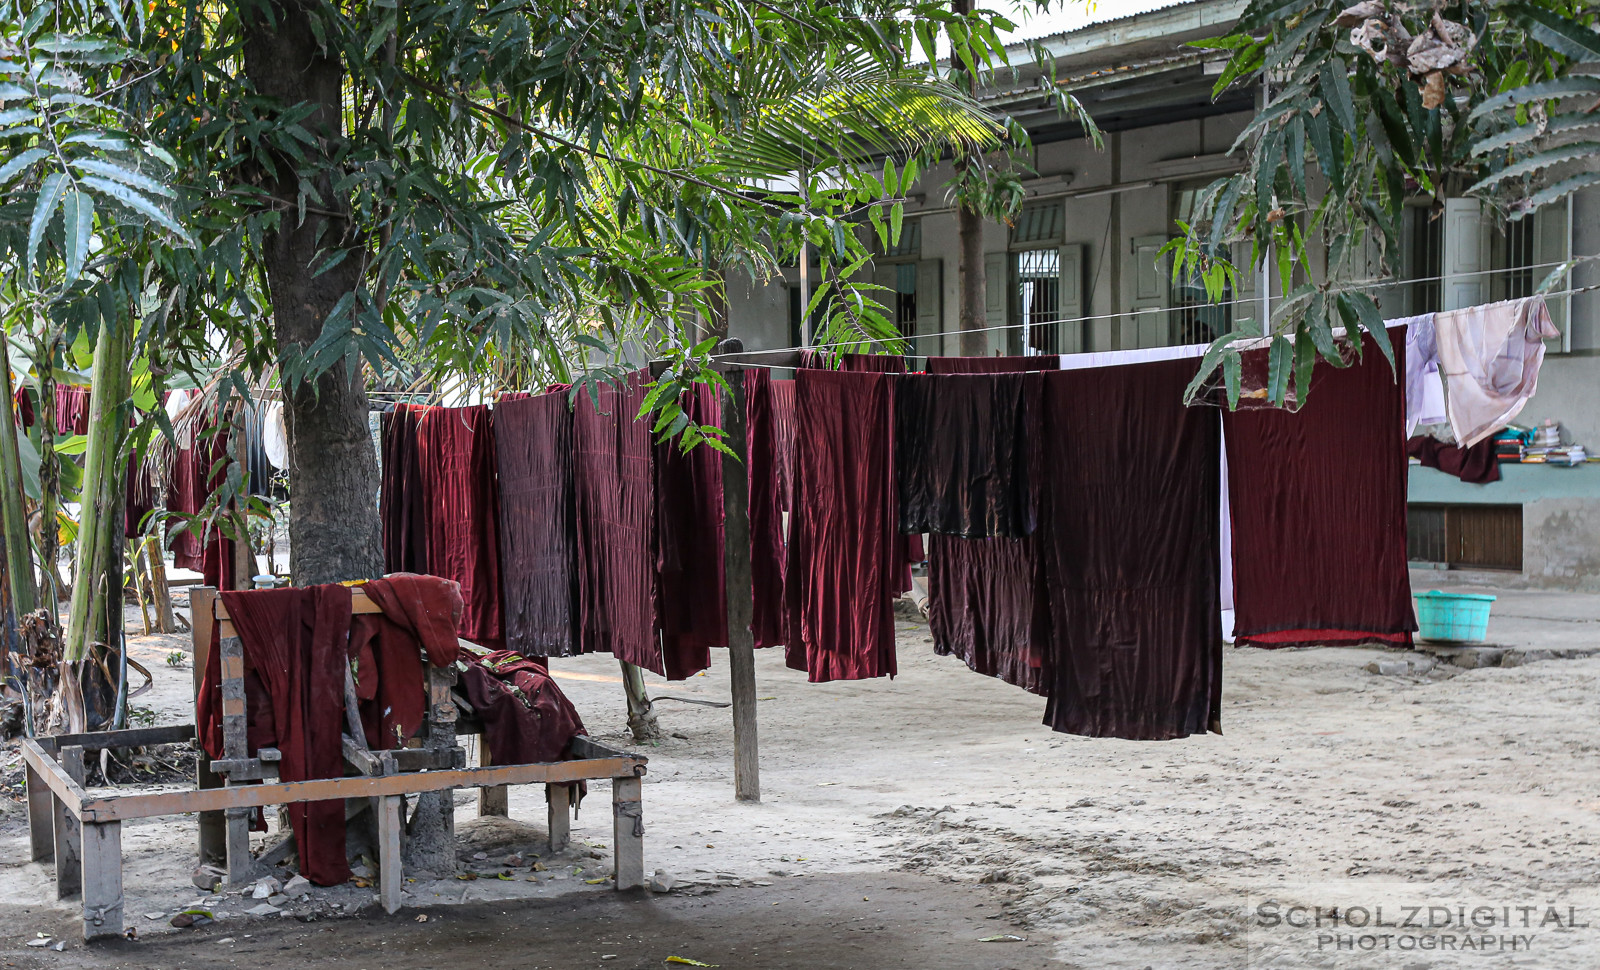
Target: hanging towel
pixel 538 524
pixel 1490 357
pixel 1129 553
pixel 1319 510
pixel 455 448
pixel 843 572
pixel 961 442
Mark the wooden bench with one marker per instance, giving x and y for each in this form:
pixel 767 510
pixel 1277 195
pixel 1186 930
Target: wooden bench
pixel 82 831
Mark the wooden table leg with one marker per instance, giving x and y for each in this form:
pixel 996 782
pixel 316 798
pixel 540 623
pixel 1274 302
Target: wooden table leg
pixel 560 799
pixel 390 872
pixel 102 880
pixel 241 865
pixel 496 799
pixel 627 820
pixel 68 833
pixel 41 820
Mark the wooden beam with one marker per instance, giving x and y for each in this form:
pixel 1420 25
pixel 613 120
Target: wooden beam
pixel 627 831
pixel 149 804
pixel 41 824
pixel 740 592
pixel 213 835
pixel 560 816
pixel 390 823
pixel 68 830
pixel 130 738
pixel 102 880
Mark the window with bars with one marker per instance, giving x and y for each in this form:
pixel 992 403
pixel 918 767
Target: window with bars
pixel 1037 273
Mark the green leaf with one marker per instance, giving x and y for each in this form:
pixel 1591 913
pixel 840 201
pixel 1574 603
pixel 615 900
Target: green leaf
pixel 139 203
pixel 1360 307
pixel 1335 81
pixel 1534 163
pixel 1555 31
pixel 1542 91
pixel 77 215
pixel 1557 192
pixel 18 162
pixel 1305 362
pixel 1279 359
pixel 125 176
pixel 43 209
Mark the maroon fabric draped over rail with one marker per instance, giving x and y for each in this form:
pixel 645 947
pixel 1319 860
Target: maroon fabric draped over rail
pixel 538 525
pixel 401 506
pixel 692 604
pixel 456 454
pixel 1478 465
pixel 769 432
pixel 1129 547
pixel 420 613
pixel 842 570
pixel 1318 498
pixel 981 598
pixel 526 717
pixel 614 479
pixel 295 644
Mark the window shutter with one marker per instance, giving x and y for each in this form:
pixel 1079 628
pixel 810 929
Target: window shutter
pixel 996 298
pixel 930 306
pixel 1073 303
pixel 1465 254
pixel 1150 279
pixel 1552 243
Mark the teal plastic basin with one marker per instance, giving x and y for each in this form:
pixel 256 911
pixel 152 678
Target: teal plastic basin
pixel 1453 617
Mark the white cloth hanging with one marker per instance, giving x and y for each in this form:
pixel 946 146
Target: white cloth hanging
pixel 1490 357
pixel 275 436
pixel 1424 386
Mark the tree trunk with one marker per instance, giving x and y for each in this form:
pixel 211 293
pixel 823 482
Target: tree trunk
pixel 13 513
pixel 641 712
pixel 97 596
pixel 973 316
pixel 160 593
pixel 50 584
pixel 334 532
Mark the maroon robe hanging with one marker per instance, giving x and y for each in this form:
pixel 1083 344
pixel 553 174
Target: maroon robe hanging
pixel 1318 498
pixel 692 603
pixel 1128 541
pixel 843 570
pixel 456 449
pixel 769 432
pixel 982 605
pixel 538 525
pixel 401 505
pixel 613 476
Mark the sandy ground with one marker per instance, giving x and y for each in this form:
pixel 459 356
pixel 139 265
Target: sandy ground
pixel 941 792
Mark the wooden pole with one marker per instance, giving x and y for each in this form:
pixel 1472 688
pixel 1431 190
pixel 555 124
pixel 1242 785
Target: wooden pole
pixel 736 565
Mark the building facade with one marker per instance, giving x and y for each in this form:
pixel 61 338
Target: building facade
pixel 1079 271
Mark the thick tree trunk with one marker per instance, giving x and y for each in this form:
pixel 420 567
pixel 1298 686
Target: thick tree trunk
pixel 974 316
pixel 334 532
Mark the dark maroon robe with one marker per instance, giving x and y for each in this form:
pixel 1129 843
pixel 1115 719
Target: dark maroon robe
pixel 1318 500
pixel 538 525
pixel 456 449
pixel 692 604
pixel 1128 541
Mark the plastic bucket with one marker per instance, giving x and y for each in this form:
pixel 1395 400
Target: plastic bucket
pixel 1453 617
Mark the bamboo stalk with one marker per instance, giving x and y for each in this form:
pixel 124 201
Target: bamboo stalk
pixel 156 566
pixel 13 513
pixel 89 613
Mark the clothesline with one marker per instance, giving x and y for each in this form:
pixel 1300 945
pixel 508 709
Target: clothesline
pixel 1574 291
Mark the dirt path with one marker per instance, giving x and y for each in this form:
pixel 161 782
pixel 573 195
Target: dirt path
pixel 1332 785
